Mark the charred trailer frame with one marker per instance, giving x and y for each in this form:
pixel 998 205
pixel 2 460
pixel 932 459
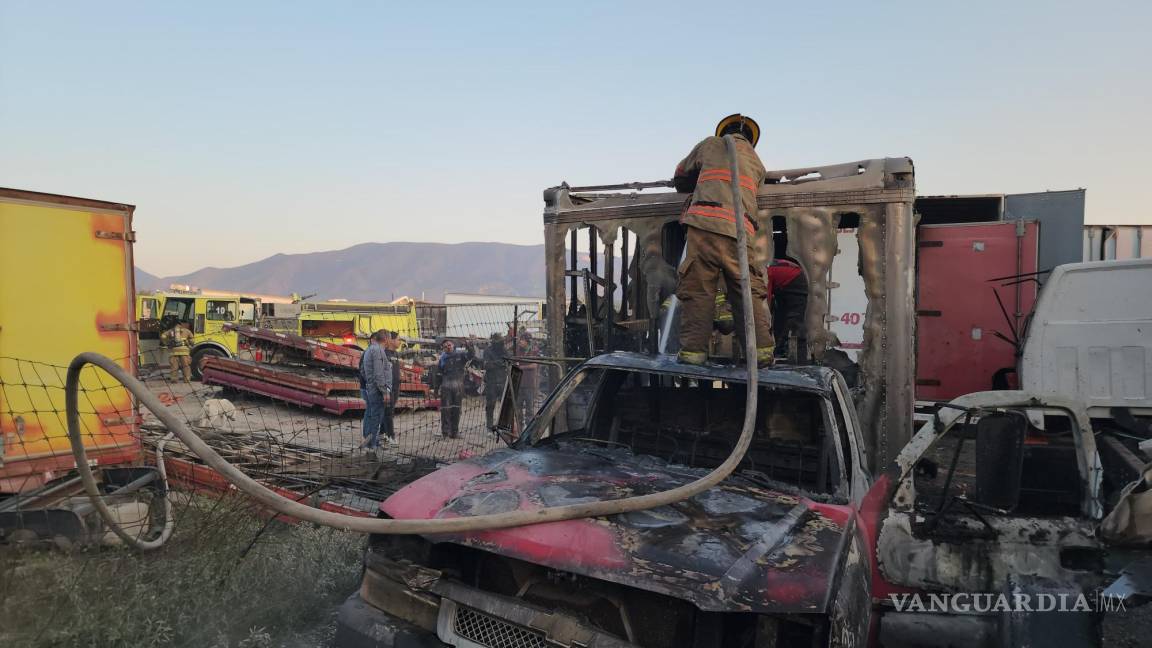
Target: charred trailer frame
pixel 611 304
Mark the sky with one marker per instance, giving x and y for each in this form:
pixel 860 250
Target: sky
pixel 246 129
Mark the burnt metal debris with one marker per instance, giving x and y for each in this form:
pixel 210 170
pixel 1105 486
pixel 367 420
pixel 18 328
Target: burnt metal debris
pixel 875 196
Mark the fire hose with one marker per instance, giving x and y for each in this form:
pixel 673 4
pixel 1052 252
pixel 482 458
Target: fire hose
pixel 285 506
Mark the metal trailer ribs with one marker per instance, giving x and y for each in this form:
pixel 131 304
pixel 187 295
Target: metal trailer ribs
pixel 332 393
pixel 317 351
pixel 310 373
pixel 294 369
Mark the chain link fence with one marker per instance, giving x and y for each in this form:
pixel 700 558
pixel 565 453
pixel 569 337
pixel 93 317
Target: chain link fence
pixel 222 546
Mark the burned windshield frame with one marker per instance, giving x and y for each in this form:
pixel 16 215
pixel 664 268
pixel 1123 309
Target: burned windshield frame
pixel 552 404
pixel 833 438
pixel 919 501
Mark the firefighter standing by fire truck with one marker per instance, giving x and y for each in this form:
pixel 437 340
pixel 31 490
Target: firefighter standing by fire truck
pixel 178 341
pixel 710 223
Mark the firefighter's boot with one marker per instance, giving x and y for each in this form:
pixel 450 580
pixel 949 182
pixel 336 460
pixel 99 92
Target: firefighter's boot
pixel 765 356
pixel 692 357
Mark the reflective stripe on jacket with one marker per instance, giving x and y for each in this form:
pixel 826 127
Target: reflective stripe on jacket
pixel 707 174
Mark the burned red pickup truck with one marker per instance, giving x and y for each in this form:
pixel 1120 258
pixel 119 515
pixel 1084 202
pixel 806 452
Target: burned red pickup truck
pixel 773 556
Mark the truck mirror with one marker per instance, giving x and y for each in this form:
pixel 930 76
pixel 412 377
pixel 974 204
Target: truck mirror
pixel 199 325
pixel 999 459
pixel 508 425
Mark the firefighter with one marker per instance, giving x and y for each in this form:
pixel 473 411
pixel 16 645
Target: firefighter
pixel 788 299
pixel 178 341
pixel 710 223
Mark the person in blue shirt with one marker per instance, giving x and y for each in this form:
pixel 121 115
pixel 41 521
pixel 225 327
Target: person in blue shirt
pixel 375 387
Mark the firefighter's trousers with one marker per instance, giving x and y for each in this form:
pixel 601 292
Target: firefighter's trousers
pixel 709 257
pixel 180 364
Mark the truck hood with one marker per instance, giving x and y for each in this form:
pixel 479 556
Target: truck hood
pixel 735 547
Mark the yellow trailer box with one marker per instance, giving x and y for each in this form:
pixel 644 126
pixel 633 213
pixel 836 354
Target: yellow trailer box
pixel 66 286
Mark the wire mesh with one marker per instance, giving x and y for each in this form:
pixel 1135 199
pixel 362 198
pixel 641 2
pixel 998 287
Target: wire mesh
pixel 222 544
pixel 444 409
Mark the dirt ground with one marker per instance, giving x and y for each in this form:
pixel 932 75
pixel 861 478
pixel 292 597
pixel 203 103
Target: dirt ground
pixel 418 432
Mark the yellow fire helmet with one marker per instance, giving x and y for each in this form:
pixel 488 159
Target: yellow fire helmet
pixel 737 118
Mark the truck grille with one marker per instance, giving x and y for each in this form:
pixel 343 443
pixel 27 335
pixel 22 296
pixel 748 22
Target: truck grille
pixel 491 632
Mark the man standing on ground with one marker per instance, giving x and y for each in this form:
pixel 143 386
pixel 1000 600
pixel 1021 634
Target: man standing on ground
pixel 376 386
pixel 451 365
pixel 392 349
pixel 495 375
pixel 710 223
pixel 178 339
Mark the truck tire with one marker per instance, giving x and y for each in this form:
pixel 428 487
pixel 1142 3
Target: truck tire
pixel 200 355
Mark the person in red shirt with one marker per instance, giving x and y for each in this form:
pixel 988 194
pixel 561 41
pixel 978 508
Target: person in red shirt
pixel 788 299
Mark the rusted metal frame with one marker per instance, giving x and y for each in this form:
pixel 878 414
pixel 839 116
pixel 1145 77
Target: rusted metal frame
pixel 23 195
pixel 619 187
pixel 593 298
pixel 609 323
pixel 883 196
pixel 672 209
pixel 623 273
pixel 573 262
pixel 554 238
pixel 590 330
pixel 898 350
pixel 844 484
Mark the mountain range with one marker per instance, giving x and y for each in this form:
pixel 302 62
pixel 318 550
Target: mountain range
pixel 378 272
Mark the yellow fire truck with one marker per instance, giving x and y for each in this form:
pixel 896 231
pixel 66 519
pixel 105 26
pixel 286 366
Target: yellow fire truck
pixel 352 323
pixel 206 316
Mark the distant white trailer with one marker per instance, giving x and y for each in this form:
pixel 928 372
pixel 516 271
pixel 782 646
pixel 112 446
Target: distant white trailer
pixel 471 314
pixel 1117 242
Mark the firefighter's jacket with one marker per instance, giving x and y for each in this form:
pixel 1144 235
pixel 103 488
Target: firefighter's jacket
pixel 706 173
pixel 178 340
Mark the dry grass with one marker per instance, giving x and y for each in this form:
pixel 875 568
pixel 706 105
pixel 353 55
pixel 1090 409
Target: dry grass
pixel 206 587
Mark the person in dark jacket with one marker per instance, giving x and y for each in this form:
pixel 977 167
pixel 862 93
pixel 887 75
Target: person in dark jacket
pixel 392 350
pixel 495 376
pixel 451 364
